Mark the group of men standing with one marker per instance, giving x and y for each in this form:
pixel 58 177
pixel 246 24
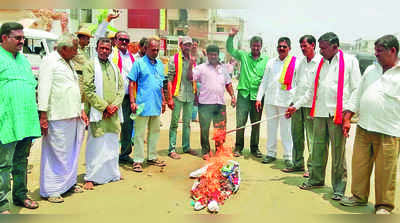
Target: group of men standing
pixel 319 93
pixel 60 113
pixel 327 91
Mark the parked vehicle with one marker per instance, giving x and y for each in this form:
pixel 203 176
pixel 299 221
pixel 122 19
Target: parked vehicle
pixel 38 43
pixel 364 60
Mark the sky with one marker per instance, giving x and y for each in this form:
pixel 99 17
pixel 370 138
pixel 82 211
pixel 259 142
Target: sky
pixel 350 20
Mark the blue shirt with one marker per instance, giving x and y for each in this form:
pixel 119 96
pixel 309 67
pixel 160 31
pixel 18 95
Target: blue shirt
pixel 149 78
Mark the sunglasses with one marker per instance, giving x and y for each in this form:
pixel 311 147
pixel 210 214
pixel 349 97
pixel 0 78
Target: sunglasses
pixel 124 40
pixel 19 38
pixel 282 46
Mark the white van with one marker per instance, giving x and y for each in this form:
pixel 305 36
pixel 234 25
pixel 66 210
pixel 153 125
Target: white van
pixel 38 43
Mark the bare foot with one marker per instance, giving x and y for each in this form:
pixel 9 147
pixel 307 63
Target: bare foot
pixel 88 185
pixel 121 177
pixel 6 212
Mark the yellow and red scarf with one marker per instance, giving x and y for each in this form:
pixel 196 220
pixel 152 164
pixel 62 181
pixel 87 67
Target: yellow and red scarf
pixel 287 73
pixel 178 75
pixel 339 103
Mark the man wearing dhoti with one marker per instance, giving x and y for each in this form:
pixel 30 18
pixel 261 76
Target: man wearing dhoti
pixel 104 91
pixel 62 121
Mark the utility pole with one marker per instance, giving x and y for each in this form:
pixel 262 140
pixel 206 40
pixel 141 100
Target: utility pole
pixel 212 25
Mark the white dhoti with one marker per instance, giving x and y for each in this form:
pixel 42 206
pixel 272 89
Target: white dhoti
pixel 102 158
pixel 60 153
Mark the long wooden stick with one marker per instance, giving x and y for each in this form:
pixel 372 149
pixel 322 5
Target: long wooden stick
pixel 255 123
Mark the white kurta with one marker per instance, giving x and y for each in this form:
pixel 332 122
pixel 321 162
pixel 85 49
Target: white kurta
pixel 377 100
pixel 305 77
pixel 276 102
pixel 326 100
pixel 102 158
pixel 102 151
pixel 271 87
pixel 60 153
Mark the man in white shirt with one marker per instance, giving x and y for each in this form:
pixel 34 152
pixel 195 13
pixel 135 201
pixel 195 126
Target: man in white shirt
pixel 123 59
pixel 62 120
pixel 301 120
pixel 278 96
pixel 337 78
pixel 377 140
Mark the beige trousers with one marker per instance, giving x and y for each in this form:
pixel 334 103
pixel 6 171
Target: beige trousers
pixel 383 150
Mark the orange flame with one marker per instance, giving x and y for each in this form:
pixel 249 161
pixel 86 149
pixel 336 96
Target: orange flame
pixel 212 182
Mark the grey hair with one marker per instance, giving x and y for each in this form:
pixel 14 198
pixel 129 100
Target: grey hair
pixel 66 40
pixel 150 39
pixel 330 37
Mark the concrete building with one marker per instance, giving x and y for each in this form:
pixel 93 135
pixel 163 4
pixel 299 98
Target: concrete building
pixel 365 46
pixel 347 47
pixel 202 24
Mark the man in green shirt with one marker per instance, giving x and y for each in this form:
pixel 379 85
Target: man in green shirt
pixel 251 72
pixel 19 121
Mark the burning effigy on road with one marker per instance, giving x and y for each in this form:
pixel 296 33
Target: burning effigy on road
pixel 218 179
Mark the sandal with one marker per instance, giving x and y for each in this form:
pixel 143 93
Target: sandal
pixel 236 154
pixel 27 203
pixel 192 152
pixel 55 199
pixel 77 189
pixel 292 169
pixel 308 186
pixel 137 167
pixel 157 162
pixel 174 155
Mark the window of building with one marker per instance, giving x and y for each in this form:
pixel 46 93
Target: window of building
pixel 220 29
pixel 86 15
pixel 180 33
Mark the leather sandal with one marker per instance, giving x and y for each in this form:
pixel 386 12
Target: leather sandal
pixel 292 169
pixel 55 199
pixel 27 203
pixel 77 189
pixel 191 152
pixel 156 162
pixel 174 155
pixel 137 167
pixel 307 186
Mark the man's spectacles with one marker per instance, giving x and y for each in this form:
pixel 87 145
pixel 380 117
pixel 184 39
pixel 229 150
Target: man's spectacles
pixel 282 46
pixel 19 38
pixel 124 40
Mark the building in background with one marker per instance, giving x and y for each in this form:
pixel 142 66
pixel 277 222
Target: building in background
pixel 202 24
pixel 364 46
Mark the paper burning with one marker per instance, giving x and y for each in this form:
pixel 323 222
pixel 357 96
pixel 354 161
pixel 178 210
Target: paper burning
pixel 218 179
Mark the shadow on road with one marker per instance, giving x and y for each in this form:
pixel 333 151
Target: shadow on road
pixel 326 193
